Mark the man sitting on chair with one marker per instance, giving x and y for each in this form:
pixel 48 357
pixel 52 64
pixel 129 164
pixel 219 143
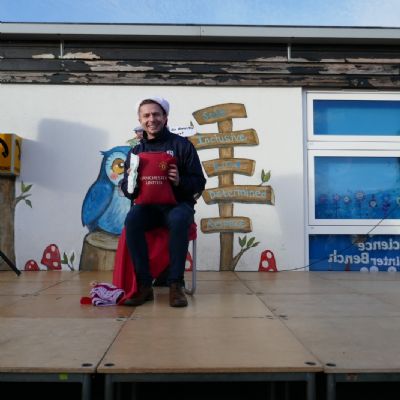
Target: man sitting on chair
pixel 187 181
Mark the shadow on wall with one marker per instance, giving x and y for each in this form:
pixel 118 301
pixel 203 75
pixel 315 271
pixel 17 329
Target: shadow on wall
pixel 59 157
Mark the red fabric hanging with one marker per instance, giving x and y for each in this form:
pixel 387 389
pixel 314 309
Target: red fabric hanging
pixel 124 276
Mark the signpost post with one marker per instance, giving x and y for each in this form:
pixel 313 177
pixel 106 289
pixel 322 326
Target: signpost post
pixel 225 167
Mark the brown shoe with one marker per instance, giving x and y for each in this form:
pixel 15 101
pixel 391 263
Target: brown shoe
pixel 142 295
pixel 176 296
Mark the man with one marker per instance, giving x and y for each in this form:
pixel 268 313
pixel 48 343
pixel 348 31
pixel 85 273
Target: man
pixel 187 180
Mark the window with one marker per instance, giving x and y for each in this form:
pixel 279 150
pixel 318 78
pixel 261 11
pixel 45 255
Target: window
pixel 348 187
pixel 353 147
pixel 338 117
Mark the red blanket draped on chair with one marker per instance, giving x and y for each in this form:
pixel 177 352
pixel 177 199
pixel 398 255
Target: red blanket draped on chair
pixel 157 242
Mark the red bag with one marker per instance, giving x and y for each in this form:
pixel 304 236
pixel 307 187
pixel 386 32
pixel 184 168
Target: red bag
pixel 154 185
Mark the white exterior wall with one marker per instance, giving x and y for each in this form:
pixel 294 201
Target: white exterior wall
pixel 65 128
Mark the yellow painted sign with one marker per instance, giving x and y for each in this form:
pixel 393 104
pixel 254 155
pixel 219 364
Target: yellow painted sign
pixel 226 224
pixel 247 137
pixel 240 194
pixel 220 112
pixel 221 166
pixel 10 154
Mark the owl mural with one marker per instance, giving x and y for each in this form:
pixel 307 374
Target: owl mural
pixel 105 207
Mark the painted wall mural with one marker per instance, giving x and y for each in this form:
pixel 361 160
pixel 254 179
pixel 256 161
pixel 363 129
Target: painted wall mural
pixel 267 262
pixel 51 260
pixel 105 206
pixel 104 210
pixel 67 193
pixel 227 193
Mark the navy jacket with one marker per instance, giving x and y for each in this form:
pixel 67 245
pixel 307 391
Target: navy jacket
pixel 191 177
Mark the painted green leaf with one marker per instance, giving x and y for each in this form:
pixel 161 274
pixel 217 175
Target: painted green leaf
pixel 255 244
pixel 27 188
pixel 266 176
pixel 251 241
pixel 72 257
pixel 29 203
pixel 242 241
pixel 65 259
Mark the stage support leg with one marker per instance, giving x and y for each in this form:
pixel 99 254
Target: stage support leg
pixel 311 386
pixel 86 387
pixel 331 387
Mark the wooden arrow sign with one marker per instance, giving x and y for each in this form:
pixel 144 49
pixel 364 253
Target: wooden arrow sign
pixel 247 137
pixel 240 194
pixel 221 166
pixel 228 224
pixel 220 112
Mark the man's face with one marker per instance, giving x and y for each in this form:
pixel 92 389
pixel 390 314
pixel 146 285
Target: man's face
pixel 152 119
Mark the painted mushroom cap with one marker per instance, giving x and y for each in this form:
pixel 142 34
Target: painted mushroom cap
pixel 51 257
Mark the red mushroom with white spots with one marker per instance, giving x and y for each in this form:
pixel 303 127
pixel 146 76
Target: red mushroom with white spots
pixel 31 265
pixel 51 257
pixel 267 262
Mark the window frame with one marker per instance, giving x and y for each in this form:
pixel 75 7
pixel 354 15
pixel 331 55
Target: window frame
pixel 373 96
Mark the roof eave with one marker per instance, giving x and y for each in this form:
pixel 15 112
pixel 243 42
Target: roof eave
pixel 222 33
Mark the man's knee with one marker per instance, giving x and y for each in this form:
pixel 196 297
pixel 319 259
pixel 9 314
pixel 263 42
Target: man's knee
pixel 180 219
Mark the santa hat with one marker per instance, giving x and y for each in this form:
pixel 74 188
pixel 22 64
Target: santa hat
pixel 159 100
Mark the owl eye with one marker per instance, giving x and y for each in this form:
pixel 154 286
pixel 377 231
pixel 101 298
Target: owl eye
pixel 118 166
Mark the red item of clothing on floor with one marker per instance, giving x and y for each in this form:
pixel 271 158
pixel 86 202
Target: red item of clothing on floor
pixel 124 276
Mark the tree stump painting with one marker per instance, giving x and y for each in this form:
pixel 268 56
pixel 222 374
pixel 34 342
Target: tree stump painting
pixel 227 193
pixel 98 251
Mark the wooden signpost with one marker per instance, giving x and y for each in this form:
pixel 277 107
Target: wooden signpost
pixel 236 224
pixel 239 194
pixel 225 167
pixel 229 166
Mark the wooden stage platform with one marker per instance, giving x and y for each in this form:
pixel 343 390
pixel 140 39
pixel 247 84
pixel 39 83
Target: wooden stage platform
pixel 279 328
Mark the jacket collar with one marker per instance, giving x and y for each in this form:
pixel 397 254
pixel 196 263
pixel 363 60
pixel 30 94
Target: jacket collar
pixel 161 137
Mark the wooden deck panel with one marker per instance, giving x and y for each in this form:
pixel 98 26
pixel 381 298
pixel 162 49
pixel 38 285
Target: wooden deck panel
pixel 37 276
pixel 54 345
pixel 348 319
pixel 285 283
pixel 351 344
pixel 23 288
pixel 59 305
pixel 317 305
pixel 220 305
pixel 206 345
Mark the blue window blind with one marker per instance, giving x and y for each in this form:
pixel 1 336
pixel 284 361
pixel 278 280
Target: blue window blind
pixel 357 117
pixel 357 187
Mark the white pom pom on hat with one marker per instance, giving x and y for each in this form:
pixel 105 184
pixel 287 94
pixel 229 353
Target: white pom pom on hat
pixel 159 100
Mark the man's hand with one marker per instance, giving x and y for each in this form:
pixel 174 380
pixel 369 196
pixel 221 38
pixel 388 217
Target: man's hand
pixel 173 174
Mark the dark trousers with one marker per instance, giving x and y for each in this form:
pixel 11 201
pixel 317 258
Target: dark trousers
pixel 177 219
